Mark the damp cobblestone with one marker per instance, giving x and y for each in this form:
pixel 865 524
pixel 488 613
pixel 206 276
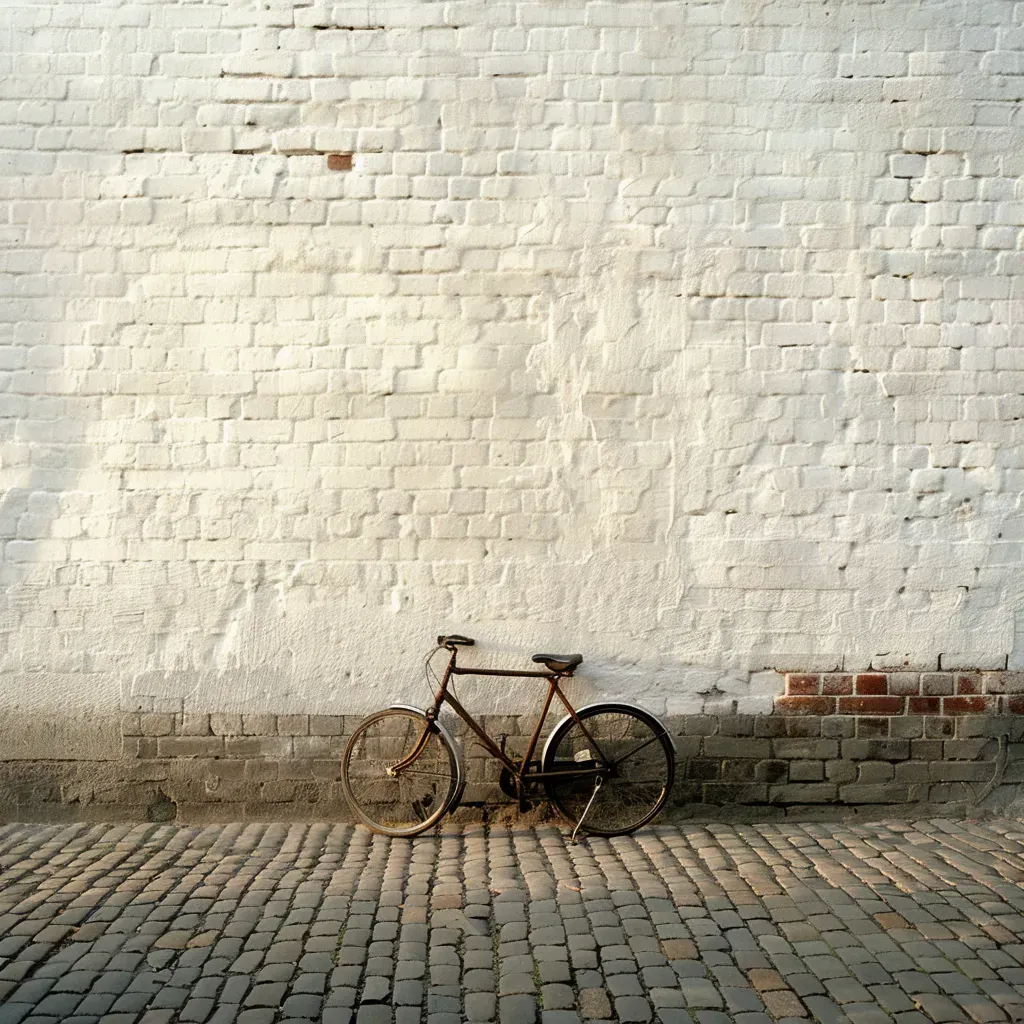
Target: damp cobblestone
pixel 897 922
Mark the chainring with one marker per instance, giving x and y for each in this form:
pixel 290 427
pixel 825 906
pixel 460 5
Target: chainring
pixel 508 785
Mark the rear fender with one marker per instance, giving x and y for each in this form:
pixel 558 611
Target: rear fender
pixel 615 705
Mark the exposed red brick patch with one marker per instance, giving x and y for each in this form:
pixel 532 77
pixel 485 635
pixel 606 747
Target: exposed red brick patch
pixel 836 684
pixel 880 694
pixel 870 705
pixel 871 684
pixel 967 705
pixel 339 162
pixel 805 705
pixel 802 685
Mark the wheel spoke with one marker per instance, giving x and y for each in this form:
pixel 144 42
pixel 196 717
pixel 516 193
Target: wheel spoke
pixel 624 802
pixel 636 750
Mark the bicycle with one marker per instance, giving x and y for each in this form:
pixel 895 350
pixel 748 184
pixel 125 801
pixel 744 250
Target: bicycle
pixel 607 768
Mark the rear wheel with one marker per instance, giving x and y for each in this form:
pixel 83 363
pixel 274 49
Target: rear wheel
pixel 634 761
pixel 398 802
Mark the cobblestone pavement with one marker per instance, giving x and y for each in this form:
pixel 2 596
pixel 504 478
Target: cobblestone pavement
pixel 707 923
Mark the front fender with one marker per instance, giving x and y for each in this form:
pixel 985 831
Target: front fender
pixel 460 776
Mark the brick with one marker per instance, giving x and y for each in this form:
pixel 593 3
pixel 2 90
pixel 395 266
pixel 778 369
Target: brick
pixel 874 727
pixel 936 684
pixel 911 772
pixel 771 771
pixel 879 750
pixel 702 769
pixel 968 684
pixel 226 725
pixel 924 705
pixel 881 793
pixel 737 725
pixel 806 771
pixel 874 771
pixel 739 746
pixel 838 727
pixel 803 793
pixel 904 684
pixel 926 750
pixel 805 705
pixel 836 684
pixel 870 705
pixel 699 725
pixel 194 725
pixel 870 683
pixel 805 749
pixel 769 726
pixel 740 770
pixel 804 726
pixel 840 771
pixel 139 746
pixel 156 725
pixel 1003 682
pixel 906 727
pixel 969 750
pixel 257 746
pixel 326 725
pixel 969 705
pixel 961 771
pixel 802 685
pixel 190 746
pixel 259 725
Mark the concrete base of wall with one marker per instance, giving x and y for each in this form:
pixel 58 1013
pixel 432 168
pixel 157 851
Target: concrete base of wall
pixel 208 768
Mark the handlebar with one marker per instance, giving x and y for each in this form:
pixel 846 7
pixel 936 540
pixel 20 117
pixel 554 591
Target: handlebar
pixel 462 641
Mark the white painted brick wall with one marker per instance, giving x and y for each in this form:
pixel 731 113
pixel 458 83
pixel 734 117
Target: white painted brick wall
pixel 685 335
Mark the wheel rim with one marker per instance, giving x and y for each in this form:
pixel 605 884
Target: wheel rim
pixel 410 800
pixel 634 791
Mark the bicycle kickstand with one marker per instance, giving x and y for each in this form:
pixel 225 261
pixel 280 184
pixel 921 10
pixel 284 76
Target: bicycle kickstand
pixel 597 786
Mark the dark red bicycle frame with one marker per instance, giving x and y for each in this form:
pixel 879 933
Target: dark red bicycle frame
pixel 519 771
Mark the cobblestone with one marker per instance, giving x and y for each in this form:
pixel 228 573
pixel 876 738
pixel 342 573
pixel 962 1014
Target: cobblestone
pixel 251 924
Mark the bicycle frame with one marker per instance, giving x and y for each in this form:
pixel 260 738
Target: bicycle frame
pixel 521 770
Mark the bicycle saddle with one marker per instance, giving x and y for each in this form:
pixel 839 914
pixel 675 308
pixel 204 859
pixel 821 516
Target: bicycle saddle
pixel 559 662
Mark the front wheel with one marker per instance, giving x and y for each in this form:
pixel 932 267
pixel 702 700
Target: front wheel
pixel 394 801
pixel 631 753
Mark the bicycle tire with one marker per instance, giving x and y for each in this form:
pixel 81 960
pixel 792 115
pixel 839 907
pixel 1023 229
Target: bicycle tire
pixel 415 799
pixel 635 792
